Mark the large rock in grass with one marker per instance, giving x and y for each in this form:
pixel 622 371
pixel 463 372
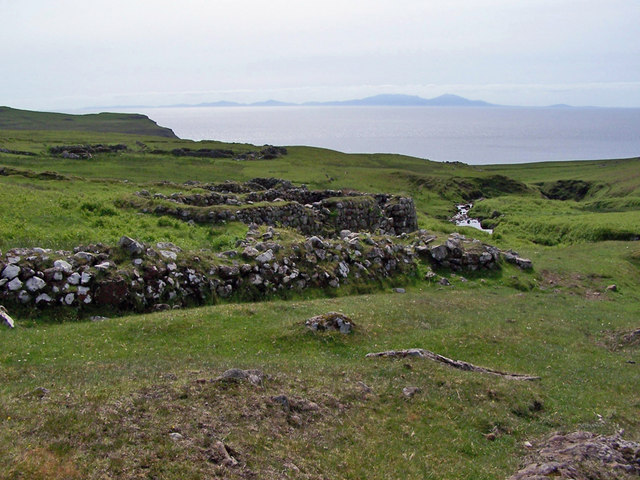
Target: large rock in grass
pixel 330 321
pixel 254 377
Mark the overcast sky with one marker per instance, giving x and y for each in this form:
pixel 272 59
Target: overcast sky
pixel 63 54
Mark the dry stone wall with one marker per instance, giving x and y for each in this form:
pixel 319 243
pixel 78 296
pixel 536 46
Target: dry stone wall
pixel 133 276
pixel 277 202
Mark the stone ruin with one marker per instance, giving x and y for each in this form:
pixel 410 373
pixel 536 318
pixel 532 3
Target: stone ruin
pixel 337 248
pixel 133 276
pixel 275 202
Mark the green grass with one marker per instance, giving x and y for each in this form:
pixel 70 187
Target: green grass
pixel 116 389
pixel 121 386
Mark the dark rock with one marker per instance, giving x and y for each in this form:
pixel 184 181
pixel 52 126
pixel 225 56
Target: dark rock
pixel 114 292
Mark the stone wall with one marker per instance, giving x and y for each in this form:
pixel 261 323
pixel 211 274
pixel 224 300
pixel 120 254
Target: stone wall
pixel 312 212
pixel 136 277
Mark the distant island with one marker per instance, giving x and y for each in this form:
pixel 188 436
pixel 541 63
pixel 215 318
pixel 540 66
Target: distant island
pixel 383 100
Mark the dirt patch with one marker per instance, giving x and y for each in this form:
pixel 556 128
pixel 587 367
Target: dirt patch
pixel 583 456
pixel 620 340
pixel 194 427
pixel 591 287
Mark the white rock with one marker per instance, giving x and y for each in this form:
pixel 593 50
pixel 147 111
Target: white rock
pixel 137 261
pixel 85 278
pixel 343 269
pixel 14 284
pixel 43 297
pixel 265 257
pixel 83 290
pixel 13 259
pixel 74 278
pixel 69 297
pixel 10 272
pixel 168 254
pixel 57 276
pixel 62 265
pixel 87 299
pixel 84 256
pixel 103 266
pixel 35 283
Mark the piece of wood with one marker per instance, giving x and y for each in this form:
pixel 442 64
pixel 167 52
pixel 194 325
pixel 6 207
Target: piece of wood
pixel 459 364
pixel 6 318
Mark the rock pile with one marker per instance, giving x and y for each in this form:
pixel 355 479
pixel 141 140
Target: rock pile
pixel 584 456
pixel 330 321
pixel 269 152
pixel 458 252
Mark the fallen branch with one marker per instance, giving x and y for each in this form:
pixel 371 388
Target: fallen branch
pixel 6 318
pixel 421 353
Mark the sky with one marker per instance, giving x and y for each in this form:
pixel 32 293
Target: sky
pixel 70 54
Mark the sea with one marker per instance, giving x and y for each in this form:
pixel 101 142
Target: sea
pixel 473 135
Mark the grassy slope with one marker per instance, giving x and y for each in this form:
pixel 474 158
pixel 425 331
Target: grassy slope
pixel 13 119
pixel 118 388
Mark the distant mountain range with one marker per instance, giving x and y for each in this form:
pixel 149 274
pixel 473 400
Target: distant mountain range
pixel 385 100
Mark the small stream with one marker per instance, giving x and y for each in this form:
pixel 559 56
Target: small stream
pixel 462 218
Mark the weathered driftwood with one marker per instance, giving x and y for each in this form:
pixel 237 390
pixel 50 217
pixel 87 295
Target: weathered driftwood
pixel 421 353
pixel 6 318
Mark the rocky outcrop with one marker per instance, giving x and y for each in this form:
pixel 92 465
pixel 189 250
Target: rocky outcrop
pixel 268 201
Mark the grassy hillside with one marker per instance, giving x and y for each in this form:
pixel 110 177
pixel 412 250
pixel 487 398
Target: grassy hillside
pixel 13 119
pixel 137 396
